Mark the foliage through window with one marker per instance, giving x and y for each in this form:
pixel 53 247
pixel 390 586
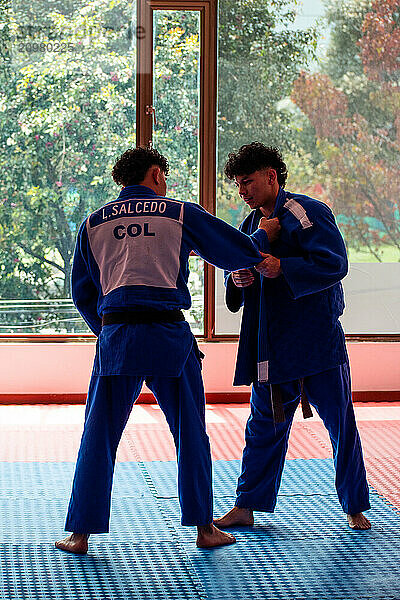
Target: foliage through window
pixel 67 109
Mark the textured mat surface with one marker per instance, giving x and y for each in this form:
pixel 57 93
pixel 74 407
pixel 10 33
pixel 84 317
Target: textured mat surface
pixel 53 480
pixel 304 551
pixel 300 476
pixel 304 569
pixel 133 520
pixel 298 517
pixel 110 572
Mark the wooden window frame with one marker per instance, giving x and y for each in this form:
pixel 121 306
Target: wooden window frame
pixel 207 117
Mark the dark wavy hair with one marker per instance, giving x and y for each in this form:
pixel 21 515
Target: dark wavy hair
pixel 133 164
pixel 254 157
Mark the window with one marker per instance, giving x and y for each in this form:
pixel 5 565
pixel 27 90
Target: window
pixel 321 81
pixel 176 122
pixel 82 81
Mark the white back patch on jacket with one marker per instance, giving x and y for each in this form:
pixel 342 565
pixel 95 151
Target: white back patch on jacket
pixel 298 211
pixel 137 242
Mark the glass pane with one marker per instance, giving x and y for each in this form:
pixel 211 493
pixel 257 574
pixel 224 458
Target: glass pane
pixel 195 315
pixel 259 58
pixel 67 111
pixel 334 113
pixel 176 98
pixel 227 323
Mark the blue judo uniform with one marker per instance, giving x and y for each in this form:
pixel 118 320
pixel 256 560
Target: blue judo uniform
pixel 291 338
pixel 132 255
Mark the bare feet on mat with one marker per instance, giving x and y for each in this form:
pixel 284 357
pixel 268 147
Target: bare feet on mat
pixel 358 521
pixel 209 536
pixel 77 543
pixel 236 516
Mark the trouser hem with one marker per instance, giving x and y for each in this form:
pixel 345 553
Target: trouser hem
pixel 243 504
pixel 363 508
pixel 85 530
pixel 196 524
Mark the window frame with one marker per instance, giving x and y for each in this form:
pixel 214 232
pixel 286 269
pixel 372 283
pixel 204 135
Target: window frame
pixel 207 117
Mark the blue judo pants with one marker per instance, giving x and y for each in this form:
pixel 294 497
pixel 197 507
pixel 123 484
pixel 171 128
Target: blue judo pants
pixel 266 442
pixel 109 403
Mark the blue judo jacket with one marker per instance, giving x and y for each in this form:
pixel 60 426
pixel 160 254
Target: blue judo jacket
pixel 132 254
pixel 290 327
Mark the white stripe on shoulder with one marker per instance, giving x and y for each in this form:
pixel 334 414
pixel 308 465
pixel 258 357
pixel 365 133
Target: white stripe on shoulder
pixel 298 211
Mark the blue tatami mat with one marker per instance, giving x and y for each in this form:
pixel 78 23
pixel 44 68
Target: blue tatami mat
pixel 110 572
pixel 301 569
pixel 39 480
pixel 299 517
pixel 54 480
pixel 133 520
pixel 304 551
pixel 298 477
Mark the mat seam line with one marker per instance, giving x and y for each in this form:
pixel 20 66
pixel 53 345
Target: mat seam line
pixel 198 586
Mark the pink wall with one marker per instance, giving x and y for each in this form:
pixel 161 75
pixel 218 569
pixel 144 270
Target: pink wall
pixel 43 368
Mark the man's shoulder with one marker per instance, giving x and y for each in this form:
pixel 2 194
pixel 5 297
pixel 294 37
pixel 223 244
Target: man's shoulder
pixel 168 199
pixel 303 210
pixel 311 204
pixel 191 211
pixel 188 204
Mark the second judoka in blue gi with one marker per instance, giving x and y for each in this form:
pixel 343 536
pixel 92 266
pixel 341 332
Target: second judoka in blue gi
pixel 291 343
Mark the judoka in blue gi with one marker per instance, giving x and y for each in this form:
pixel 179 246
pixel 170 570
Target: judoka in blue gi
pixel 291 346
pixel 129 282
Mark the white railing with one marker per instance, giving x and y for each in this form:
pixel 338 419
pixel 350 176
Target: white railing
pixel 59 316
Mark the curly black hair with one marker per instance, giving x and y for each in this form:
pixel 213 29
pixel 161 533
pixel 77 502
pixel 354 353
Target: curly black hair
pixel 133 164
pixel 254 157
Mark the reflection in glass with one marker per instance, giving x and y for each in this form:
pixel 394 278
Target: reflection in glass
pixel 348 152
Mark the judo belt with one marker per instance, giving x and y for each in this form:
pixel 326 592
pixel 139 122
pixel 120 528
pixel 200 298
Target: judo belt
pixel 142 316
pixel 278 411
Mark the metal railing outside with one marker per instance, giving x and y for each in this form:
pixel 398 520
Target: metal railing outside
pixel 59 316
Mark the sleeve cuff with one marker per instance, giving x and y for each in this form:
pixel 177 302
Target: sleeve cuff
pixel 234 296
pixel 260 238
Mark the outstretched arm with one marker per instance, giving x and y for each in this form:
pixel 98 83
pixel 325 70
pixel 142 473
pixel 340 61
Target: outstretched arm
pixel 221 244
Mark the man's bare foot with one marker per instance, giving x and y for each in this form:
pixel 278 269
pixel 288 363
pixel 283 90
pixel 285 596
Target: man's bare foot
pixel 77 543
pixel 358 521
pixel 236 516
pixel 209 536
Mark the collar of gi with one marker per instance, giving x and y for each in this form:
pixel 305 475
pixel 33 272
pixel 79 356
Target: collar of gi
pixel 280 201
pixel 136 191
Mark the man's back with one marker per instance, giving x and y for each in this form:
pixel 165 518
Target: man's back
pixel 137 240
